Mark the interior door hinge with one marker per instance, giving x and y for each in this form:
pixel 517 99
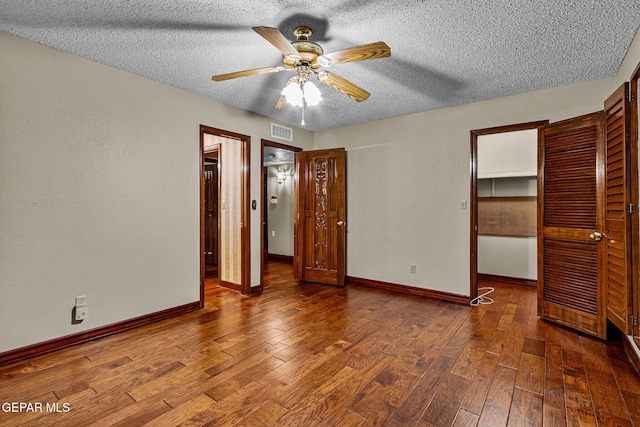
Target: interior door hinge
pixel 632 96
pixel 633 321
pixel 631 208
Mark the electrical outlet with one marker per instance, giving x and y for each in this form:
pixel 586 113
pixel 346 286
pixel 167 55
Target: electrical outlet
pixel 81 312
pixel 412 269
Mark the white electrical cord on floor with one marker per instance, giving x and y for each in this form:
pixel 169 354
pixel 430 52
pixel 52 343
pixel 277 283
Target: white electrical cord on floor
pixel 482 299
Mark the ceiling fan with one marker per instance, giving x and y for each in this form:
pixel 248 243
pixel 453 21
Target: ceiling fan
pixel 307 59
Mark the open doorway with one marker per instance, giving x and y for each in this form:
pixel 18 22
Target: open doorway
pixel 277 201
pixel 211 215
pixel 233 257
pixel 503 204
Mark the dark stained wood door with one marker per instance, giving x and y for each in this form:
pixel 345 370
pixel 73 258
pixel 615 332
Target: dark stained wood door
pixel 320 226
pixel 211 214
pixel 618 208
pixel 571 216
pixel 634 125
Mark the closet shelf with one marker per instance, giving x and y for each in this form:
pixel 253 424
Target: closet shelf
pixel 518 174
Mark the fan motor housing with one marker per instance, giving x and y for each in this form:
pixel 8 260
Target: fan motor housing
pixel 309 51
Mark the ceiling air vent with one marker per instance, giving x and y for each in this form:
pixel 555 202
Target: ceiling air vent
pixel 281 132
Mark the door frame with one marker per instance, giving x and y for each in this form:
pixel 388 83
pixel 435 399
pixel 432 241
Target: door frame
pixel 473 257
pixel 245 213
pixel 268 143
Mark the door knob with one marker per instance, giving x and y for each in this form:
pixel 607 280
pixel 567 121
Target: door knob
pixel 340 223
pixel 597 236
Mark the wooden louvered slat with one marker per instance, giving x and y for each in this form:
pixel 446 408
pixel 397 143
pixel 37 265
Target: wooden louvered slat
pixel 618 268
pixel 570 179
pixel 571 275
pixel 570 289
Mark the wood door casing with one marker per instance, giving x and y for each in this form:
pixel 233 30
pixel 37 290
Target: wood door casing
pixel 320 215
pixel 617 222
pixel 570 209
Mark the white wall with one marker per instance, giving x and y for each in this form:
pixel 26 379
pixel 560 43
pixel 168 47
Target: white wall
pixel 501 157
pixel 99 188
pixel 508 154
pixel 99 191
pixel 407 175
pixel 280 215
pixel 508 256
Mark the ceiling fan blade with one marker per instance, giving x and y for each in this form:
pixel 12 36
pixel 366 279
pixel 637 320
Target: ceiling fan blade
pixel 246 73
pixel 275 37
pixel 359 53
pixel 338 83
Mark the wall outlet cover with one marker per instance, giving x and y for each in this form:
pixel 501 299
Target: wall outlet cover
pixel 81 312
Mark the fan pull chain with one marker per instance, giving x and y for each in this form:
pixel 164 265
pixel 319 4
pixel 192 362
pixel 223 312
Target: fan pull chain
pixel 302 123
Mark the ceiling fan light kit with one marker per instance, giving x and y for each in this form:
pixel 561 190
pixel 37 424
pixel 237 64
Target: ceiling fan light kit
pixel 305 58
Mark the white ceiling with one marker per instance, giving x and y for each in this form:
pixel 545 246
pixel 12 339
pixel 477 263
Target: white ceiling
pixel 443 52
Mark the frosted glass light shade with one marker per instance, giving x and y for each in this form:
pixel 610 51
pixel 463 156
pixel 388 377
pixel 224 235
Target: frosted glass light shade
pixel 312 94
pixel 293 93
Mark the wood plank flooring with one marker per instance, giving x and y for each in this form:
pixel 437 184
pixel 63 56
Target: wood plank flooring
pixel 313 355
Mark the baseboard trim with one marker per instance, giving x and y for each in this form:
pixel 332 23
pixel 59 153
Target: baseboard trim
pixel 283 258
pixel 507 279
pixel 229 285
pixel 446 296
pixel 632 351
pixel 49 346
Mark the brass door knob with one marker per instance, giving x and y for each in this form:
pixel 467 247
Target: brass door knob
pixel 597 236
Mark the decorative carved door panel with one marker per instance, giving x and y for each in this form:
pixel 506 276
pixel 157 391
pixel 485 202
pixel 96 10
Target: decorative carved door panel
pixel 319 217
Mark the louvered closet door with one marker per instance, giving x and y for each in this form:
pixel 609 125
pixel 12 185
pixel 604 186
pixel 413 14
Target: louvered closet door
pixel 570 214
pixel 618 226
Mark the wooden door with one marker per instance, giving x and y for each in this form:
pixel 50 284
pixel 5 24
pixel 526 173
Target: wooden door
pixel 570 218
pixel 617 233
pixel 211 214
pixel 634 125
pixel 320 217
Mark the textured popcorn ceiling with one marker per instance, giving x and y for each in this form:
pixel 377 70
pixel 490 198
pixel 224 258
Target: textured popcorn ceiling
pixel 444 52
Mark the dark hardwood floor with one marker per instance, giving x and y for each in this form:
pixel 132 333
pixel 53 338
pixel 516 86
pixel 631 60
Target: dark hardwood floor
pixel 312 355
